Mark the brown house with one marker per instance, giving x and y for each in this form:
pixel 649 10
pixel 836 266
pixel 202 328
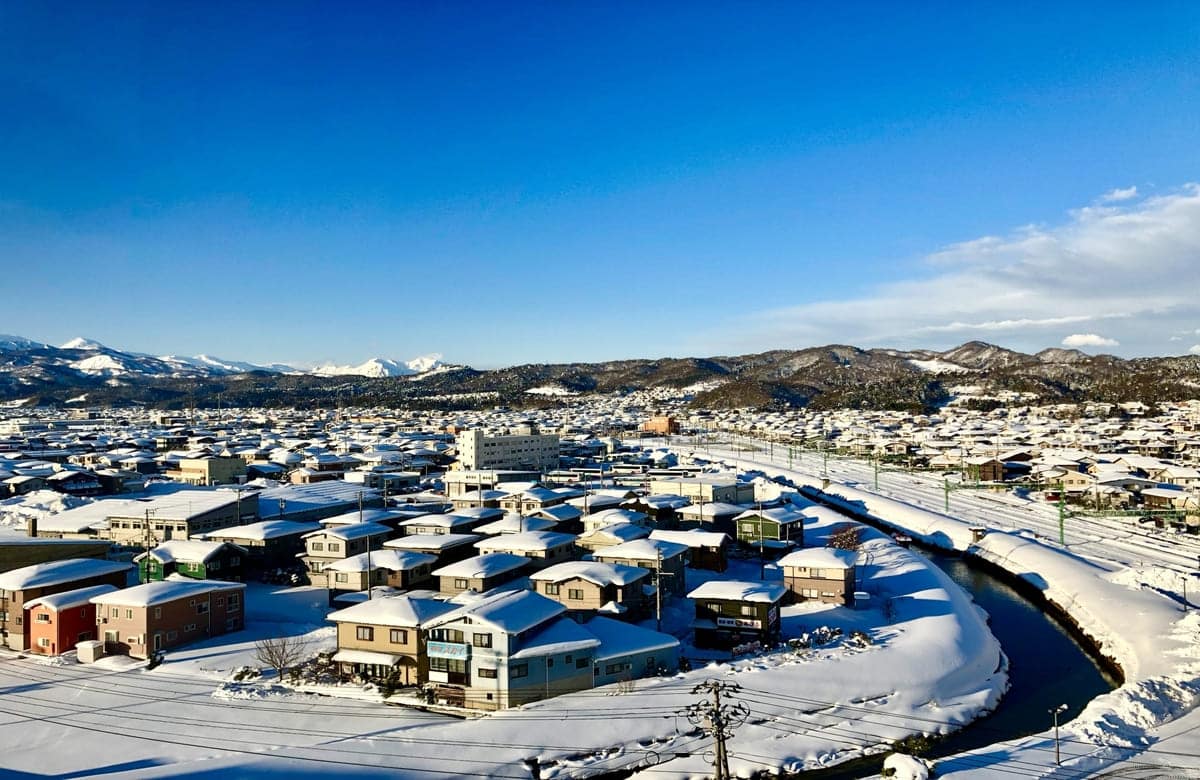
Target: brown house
pixel 481 573
pixel 145 619
pixel 43 579
pixel 821 574
pixel 588 587
pixel 733 612
pixel 655 555
pixel 382 639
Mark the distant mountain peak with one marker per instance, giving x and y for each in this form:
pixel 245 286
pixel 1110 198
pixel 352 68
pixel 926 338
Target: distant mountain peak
pixel 378 367
pixel 79 342
pixel 9 341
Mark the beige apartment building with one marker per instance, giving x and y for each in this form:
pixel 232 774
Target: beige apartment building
pixel 525 448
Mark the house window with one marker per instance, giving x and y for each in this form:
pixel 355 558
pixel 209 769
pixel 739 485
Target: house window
pixel 341 577
pixel 43 642
pixel 713 606
pixel 455 665
pixel 365 633
pixel 172 636
pixel 581 663
pixel 189 628
pixel 317 546
pixel 220 601
pixel 202 608
pixel 446 635
pixel 114 612
pixel 575 594
pixel 749 610
pixel 214 566
pixel 489 674
pixel 129 614
pixel 335 547
pixel 398 636
pixel 518 670
pixel 157 613
pixel 551 589
pixel 461 583
pixel 235 602
pixel 482 640
pixel 42 617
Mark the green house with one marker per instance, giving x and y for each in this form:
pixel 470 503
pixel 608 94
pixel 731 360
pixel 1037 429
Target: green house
pixel 777 527
pixel 192 558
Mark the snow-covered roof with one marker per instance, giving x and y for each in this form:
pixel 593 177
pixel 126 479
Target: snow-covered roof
pixel 440 521
pixel 480 512
pixel 739 590
pixel 41 575
pixel 161 592
pixel 530 540
pixel 618 638
pixel 711 509
pixel 262 531
pixel 596 572
pixel 69 598
pixel 355 531
pixel 365 516
pixel 187 550
pixel 482 566
pixel 513 523
pixel 784 515
pixel 820 558
pixel 392 611
pixel 561 636
pixel 693 538
pixel 643 550
pixel 510 611
pixel 560 512
pixel 389 559
pixel 431 542
pixel 621 532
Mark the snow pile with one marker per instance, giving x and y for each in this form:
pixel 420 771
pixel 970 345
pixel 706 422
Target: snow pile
pixel 904 767
pixel 17 511
pixel 550 390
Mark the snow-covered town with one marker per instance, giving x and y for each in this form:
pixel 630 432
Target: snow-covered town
pixel 425 593
pixel 599 391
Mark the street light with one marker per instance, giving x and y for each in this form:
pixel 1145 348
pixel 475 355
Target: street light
pixel 1056 712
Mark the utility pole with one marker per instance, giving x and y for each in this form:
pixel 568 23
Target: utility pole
pixel 718 719
pixel 658 575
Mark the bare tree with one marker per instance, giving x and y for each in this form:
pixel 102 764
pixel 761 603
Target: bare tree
pixel 281 653
pixel 845 536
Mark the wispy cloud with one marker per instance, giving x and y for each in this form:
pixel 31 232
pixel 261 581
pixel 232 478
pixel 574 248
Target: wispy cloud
pixel 1117 195
pixel 1134 267
pixel 1089 340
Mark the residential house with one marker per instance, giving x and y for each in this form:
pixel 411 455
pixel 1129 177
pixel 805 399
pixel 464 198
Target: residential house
pixel 333 544
pixel 630 652
pixel 610 535
pixel 192 558
pixel 821 574
pixel 44 579
pixel 614 516
pixel 268 543
pixel 384 638
pixel 535 499
pixel 513 523
pixel 508 649
pixel 706 549
pixel 778 528
pixel 734 612
pixel 542 548
pixel 75 483
pixel 705 488
pixel 54 624
pixel 402 569
pixel 448 548
pixel 157 616
pixel 588 587
pixel 463 522
pixel 666 559
pixel 481 573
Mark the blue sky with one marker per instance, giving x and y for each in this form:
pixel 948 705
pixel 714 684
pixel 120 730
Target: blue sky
pixel 505 183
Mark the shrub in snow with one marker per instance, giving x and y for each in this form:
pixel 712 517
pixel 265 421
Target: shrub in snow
pixel 904 767
pixel 859 639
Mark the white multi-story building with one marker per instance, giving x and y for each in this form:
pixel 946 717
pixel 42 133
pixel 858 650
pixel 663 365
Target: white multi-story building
pixel 523 449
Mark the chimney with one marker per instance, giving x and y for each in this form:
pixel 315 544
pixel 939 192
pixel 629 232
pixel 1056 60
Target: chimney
pixel 31 526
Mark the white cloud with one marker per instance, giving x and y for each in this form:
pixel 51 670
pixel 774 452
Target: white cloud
pixel 1133 268
pixel 1195 350
pixel 1089 340
pixel 1116 195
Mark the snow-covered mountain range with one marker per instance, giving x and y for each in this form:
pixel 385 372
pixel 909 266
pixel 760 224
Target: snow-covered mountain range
pixel 88 357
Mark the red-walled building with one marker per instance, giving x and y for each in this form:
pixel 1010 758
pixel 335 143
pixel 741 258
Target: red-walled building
pixel 55 624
